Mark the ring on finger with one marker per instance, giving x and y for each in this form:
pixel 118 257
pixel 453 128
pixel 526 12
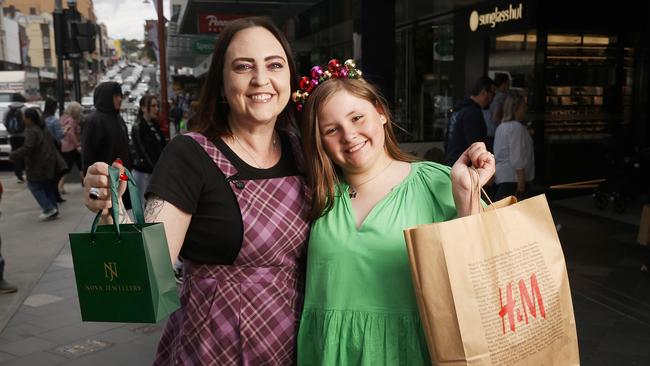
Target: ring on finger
pixel 93 193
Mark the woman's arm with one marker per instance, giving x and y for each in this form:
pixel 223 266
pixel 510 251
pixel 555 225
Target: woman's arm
pixel 30 142
pixel 175 220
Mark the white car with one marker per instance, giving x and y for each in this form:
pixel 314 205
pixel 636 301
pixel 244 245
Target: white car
pixel 5 148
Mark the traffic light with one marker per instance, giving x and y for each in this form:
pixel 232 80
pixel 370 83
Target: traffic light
pixel 83 35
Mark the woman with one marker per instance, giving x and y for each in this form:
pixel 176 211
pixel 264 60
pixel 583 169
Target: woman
pixel 360 306
pixel 40 156
pixel 233 204
pixel 71 143
pixel 513 150
pixel 148 141
pixel 53 125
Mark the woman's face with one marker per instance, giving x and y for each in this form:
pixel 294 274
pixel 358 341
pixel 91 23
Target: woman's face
pixel 352 132
pixel 256 76
pixel 152 112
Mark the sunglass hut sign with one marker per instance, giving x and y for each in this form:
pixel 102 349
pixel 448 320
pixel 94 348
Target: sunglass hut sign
pixel 495 17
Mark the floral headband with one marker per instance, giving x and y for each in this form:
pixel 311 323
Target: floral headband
pixel 318 76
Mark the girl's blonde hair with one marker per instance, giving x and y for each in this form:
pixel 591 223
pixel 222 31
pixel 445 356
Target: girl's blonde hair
pixel 322 174
pixel 73 110
pixel 510 105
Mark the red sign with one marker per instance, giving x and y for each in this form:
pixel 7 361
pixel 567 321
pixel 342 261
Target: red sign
pixel 214 23
pixel 527 301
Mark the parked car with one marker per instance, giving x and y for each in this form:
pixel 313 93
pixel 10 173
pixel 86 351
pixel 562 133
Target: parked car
pixel 5 148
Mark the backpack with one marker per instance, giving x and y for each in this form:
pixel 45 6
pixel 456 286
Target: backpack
pixel 14 121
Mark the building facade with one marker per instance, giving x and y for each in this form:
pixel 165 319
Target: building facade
pixel 37 7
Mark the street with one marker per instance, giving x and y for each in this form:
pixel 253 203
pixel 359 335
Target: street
pixel 41 323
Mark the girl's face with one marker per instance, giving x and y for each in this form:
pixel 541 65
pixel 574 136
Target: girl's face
pixel 256 76
pixel 352 132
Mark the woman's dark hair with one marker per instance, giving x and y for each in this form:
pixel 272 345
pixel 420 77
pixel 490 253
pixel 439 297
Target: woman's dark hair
pixel 34 115
pixel 145 102
pixel 50 107
pixel 211 118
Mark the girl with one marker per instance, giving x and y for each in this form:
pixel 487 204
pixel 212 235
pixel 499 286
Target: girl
pixel 360 308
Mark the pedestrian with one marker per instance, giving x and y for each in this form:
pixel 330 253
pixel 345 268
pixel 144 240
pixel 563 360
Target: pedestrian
pixel 41 163
pixel 466 124
pixel 234 204
pixel 360 306
pixel 5 287
pixel 104 137
pixel 513 150
pixel 53 125
pixel 148 141
pixel 15 127
pixel 494 114
pixel 176 115
pixel 71 143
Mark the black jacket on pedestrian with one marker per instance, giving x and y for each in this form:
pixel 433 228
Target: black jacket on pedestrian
pixel 465 127
pixel 148 142
pixel 105 137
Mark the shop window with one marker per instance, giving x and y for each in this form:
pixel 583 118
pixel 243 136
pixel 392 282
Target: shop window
pixel 581 87
pixel 423 87
pixel 514 55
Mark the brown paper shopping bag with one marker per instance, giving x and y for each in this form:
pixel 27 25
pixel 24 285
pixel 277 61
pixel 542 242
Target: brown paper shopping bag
pixel 492 288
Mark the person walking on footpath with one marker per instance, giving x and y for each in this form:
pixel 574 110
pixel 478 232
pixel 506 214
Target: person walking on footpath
pixel 41 163
pixel 360 306
pixel 148 141
pixel 104 137
pixel 71 143
pixel 233 201
pixel 54 126
pixel 466 124
pixel 5 287
pixel 514 151
pixel 15 127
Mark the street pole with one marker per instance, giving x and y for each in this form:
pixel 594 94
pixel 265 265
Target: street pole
pixel 76 82
pixel 162 62
pixel 59 23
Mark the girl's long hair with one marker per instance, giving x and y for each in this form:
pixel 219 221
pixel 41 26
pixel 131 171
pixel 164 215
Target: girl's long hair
pixel 322 174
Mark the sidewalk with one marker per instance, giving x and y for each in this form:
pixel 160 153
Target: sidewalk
pixel 41 324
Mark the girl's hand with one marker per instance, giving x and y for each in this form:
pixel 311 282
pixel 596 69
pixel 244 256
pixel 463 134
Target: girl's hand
pixel 463 180
pixel 476 156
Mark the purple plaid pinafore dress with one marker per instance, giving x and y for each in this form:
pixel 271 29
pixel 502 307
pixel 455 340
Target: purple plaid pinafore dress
pixel 246 313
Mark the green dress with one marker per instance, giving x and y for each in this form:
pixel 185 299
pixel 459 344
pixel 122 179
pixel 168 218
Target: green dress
pixel 360 308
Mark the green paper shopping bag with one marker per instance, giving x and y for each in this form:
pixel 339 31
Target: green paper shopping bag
pixel 124 272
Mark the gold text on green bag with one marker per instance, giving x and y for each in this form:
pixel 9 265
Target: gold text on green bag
pixel 110 270
pixel 112 288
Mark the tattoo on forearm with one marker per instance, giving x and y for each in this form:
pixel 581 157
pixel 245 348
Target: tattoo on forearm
pixel 153 208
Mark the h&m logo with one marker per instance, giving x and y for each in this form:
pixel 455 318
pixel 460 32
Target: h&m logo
pixel 110 270
pixel 527 300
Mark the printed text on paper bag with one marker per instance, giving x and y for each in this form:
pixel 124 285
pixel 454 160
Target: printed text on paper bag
pixel 518 303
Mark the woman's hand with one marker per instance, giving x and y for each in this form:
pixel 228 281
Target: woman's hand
pixel 463 179
pixel 97 177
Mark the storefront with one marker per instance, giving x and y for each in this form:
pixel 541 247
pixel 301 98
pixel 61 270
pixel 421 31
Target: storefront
pixel 585 79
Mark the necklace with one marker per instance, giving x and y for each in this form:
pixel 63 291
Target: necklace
pixel 352 190
pixel 257 165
